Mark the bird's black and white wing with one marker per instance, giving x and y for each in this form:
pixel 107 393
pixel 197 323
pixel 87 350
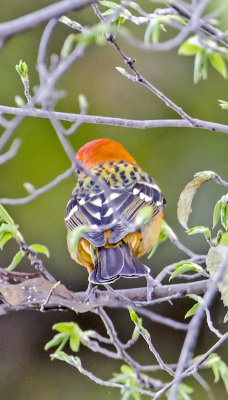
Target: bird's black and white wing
pixel 114 209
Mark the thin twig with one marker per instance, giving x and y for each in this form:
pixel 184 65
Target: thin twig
pixel 38 192
pixel 210 324
pixel 214 32
pixel 151 347
pixel 11 152
pixel 120 350
pixel 137 77
pixel 194 325
pixel 71 360
pixel 35 261
pixel 120 122
pixel 46 301
pixel 160 319
pixel 41 58
pixel 193 368
pixel 166 271
pixel 21 24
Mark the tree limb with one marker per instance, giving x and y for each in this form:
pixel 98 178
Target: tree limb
pixel 21 24
pixel 121 122
pixel 29 291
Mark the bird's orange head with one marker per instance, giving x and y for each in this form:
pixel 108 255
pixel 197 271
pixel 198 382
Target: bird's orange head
pixel 102 150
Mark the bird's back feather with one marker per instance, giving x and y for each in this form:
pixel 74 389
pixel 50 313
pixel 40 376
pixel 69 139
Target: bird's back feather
pixel 110 210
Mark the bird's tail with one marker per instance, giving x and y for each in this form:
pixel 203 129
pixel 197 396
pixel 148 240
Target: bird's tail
pixel 113 262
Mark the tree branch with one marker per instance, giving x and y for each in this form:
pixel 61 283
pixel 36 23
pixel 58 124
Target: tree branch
pixel 194 325
pixel 29 291
pixel 11 152
pixel 121 122
pixel 38 192
pixel 214 32
pixel 10 28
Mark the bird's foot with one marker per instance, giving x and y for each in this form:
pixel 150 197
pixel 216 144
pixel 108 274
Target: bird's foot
pixel 90 292
pixel 151 284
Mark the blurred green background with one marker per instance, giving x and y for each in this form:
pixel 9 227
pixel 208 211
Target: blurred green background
pixel 170 155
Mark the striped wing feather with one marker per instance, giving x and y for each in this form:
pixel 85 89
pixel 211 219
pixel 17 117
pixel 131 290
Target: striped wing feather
pixel 114 213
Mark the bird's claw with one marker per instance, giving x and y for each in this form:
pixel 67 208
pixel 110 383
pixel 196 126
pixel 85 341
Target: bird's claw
pixel 151 284
pixel 90 292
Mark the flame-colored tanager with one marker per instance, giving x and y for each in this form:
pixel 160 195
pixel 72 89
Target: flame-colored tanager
pixel 111 249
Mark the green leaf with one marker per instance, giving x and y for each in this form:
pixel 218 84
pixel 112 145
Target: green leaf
pixel 188 49
pixel 219 368
pixel 218 63
pixel 126 370
pixel 55 341
pixel 223 104
pixel 69 22
pixel 166 232
pixel 69 45
pixel 195 297
pixel 122 71
pixel 217 212
pixel 74 342
pixel 16 259
pixel 183 267
pixel 214 260
pixel 68 331
pixel 4 238
pixel 221 210
pixel 136 395
pixel 210 360
pixel 29 187
pixel 74 238
pixel 62 356
pixel 192 311
pixel 138 322
pixel 128 377
pixel 176 18
pixel 67 327
pixel 40 248
pixel 83 103
pixel 119 21
pixel 194 308
pixel 224 214
pixel 8 228
pixel 183 392
pixel 187 195
pixel 5 216
pixel 199 229
pixel 200 66
pixel 226 318
pixel 135 334
pixel 219 238
pixel 152 32
pixel 22 70
pixel 108 3
pixel 154 249
pixel 19 101
pixel 134 317
pixel 144 215
pixel 224 238
pixel 206 175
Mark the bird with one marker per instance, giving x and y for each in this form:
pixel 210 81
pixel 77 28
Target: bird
pixel 110 191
